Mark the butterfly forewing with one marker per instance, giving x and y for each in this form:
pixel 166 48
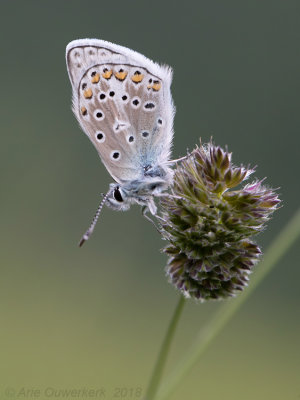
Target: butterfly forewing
pixel 122 101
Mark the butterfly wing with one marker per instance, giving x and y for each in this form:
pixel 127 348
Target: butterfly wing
pixel 123 103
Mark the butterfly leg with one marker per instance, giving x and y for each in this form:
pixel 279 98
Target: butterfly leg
pixel 145 209
pixel 180 159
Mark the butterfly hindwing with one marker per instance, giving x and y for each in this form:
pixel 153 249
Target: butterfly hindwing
pixel 123 102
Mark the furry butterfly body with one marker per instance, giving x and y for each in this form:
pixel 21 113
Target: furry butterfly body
pixel 123 103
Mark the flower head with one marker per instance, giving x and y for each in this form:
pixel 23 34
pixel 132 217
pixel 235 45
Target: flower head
pixel 209 224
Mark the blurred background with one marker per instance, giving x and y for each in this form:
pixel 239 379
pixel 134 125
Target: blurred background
pixel 95 317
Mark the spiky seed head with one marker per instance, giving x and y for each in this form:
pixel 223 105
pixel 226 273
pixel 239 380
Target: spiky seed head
pixel 209 224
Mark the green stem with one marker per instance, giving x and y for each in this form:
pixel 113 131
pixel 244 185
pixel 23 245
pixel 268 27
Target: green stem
pixel 165 347
pixel 275 252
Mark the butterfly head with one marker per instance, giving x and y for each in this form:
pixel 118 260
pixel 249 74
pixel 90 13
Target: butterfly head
pixel 117 198
pixel 139 191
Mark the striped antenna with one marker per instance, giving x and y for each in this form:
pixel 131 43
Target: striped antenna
pixel 88 233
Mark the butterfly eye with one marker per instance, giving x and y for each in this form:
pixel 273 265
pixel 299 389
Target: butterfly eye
pixel 117 195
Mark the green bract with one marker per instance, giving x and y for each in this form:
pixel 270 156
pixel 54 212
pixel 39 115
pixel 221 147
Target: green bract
pixel 209 224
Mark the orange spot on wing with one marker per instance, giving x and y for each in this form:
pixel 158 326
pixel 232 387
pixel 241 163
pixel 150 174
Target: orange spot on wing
pixel 137 78
pixel 83 111
pixel 107 74
pixel 121 75
pixel 88 94
pixel 96 78
pixel 156 87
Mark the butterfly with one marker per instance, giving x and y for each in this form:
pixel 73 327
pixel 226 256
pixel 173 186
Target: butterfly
pixel 123 103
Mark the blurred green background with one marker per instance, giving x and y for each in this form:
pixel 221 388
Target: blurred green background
pixel 95 317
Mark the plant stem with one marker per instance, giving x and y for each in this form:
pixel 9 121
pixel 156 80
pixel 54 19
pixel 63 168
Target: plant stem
pixel 275 252
pixel 164 350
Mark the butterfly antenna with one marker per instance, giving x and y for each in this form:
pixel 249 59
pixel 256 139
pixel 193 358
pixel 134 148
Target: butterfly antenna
pixel 88 233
